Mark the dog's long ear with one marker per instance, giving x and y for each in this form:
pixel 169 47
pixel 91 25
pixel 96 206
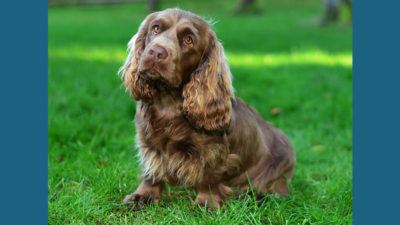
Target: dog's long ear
pixel 207 103
pixel 139 88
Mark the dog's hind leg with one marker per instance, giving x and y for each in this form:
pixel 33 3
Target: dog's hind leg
pixel 280 185
pixel 270 174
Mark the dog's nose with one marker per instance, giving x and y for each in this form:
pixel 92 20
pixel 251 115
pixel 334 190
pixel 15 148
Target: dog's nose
pixel 158 53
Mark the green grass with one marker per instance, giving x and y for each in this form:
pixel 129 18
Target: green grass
pixel 279 58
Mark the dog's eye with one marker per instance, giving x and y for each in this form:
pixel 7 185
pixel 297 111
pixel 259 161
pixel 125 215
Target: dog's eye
pixel 188 40
pixel 156 29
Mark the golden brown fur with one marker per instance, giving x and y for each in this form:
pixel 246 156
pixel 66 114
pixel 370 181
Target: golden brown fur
pixel 191 129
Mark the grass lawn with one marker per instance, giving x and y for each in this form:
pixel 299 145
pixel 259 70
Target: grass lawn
pixel 279 59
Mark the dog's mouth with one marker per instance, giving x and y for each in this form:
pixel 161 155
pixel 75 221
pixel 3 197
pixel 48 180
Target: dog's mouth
pixel 153 76
pixel 150 74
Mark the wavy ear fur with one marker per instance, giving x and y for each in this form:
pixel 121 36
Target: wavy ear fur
pixel 207 103
pixel 139 88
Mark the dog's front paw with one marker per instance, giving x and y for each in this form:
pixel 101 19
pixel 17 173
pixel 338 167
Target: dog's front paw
pixel 139 201
pixel 147 193
pixel 145 198
pixel 207 201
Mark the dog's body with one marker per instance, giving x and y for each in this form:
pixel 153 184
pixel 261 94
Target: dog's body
pixel 191 129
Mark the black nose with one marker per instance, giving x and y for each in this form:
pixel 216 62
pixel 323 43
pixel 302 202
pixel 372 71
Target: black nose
pixel 157 53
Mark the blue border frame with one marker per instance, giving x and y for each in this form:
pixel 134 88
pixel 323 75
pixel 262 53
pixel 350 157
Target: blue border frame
pixel 376 108
pixel 23 97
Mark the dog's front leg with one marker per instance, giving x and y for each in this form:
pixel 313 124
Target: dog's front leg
pixel 147 192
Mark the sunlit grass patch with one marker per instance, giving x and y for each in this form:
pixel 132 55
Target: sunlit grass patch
pixel 98 54
pixel 311 57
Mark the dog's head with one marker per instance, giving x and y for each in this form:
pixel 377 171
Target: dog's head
pixel 179 50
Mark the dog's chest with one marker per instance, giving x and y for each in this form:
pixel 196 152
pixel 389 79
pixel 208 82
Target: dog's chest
pixel 167 130
pixel 168 149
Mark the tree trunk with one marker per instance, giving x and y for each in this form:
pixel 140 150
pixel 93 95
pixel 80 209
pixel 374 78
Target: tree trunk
pixel 152 5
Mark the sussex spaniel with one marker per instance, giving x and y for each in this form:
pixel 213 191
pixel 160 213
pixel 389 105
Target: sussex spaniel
pixel 191 128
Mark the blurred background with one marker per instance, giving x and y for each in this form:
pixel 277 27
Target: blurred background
pixel 290 59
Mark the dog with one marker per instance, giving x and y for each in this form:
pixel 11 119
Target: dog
pixel 191 128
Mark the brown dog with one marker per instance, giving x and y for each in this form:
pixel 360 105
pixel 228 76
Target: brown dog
pixel 191 129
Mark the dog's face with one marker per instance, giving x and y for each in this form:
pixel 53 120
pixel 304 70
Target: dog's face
pixel 178 49
pixel 173 46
